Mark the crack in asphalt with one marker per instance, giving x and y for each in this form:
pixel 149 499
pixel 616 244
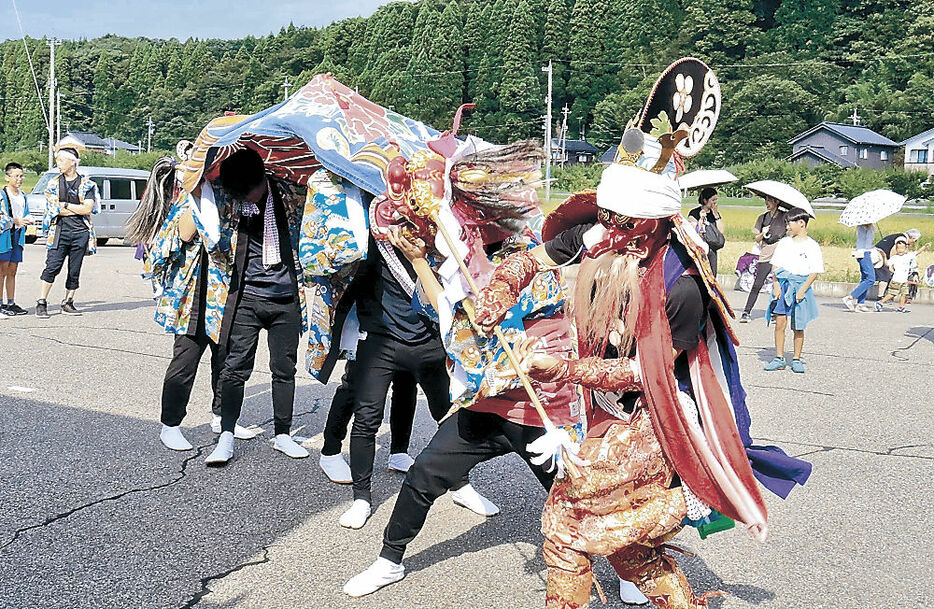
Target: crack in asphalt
pixel 194 600
pixel 99 348
pixel 808 391
pixel 819 448
pixel 61 516
pixel 183 472
pixel 901 358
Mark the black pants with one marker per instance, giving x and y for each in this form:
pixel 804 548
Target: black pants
pixel 379 358
pixel 74 245
pixel 180 376
pixel 283 324
pixel 401 411
pixel 462 442
pixel 762 272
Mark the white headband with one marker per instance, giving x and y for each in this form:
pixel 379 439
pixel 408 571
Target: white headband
pixel 69 155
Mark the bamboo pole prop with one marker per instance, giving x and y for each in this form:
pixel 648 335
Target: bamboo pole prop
pixel 507 348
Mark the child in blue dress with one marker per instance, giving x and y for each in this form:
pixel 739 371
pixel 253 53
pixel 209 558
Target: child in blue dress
pixel 797 262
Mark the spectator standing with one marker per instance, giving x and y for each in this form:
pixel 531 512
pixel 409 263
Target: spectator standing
pixel 708 222
pixel 70 200
pixel 769 229
pixel 14 217
pixel 867 272
pixel 798 261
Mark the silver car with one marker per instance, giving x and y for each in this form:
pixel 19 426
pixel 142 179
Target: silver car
pixel 120 190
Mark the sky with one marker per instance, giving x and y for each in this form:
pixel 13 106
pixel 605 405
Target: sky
pixel 74 19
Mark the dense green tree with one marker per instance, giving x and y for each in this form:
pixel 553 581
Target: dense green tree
pixel 520 93
pixel 720 30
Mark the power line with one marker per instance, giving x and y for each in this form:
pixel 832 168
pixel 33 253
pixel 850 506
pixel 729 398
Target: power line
pixel 32 69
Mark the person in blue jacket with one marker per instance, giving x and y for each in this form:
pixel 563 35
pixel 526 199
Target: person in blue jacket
pixel 14 217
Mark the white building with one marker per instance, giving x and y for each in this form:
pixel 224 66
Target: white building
pixel 919 152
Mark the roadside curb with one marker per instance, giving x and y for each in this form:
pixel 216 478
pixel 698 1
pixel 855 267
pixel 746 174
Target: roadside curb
pixel 832 289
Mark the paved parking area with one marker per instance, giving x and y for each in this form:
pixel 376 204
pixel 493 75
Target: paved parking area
pixel 94 512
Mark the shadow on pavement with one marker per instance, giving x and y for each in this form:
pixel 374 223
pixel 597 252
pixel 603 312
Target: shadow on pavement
pixel 97 306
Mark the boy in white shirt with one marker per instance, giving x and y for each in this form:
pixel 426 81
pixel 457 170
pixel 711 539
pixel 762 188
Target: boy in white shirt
pixel 901 263
pixel 797 262
pixel 14 217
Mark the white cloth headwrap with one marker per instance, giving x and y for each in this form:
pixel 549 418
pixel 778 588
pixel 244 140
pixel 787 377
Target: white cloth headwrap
pixel 637 193
pixel 69 155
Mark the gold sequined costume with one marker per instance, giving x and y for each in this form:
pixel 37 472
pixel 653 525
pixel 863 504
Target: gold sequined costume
pixel 620 507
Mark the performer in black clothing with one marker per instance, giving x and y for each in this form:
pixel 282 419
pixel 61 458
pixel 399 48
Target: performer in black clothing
pixel 264 295
pixel 397 339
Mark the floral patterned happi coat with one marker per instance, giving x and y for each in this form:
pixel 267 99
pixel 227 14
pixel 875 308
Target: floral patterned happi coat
pixel 173 265
pixel 86 189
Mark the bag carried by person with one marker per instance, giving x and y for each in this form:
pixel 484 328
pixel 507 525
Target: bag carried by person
pixel 712 236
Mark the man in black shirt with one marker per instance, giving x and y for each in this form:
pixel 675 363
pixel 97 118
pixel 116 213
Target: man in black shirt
pixel 397 340
pixel 70 202
pixel 263 295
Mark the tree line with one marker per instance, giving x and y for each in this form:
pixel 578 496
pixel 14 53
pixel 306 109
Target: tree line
pixel 783 65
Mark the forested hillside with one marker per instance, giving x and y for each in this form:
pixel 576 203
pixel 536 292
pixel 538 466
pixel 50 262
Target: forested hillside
pixel 784 66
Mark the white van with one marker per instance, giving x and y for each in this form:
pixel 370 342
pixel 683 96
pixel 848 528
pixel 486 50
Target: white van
pixel 120 189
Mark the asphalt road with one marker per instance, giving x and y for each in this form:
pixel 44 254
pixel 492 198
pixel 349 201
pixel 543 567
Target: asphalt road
pixel 94 512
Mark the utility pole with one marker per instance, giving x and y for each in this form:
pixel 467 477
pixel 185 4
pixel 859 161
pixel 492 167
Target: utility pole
pixel 564 133
pixel 548 135
pixel 52 42
pixel 286 85
pixel 149 130
pixel 855 117
pixel 581 125
pixel 58 116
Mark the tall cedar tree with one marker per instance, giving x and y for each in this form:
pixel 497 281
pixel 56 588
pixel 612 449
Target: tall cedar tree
pixel 520 93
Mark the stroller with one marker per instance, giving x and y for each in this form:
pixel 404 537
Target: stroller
pixel 746 272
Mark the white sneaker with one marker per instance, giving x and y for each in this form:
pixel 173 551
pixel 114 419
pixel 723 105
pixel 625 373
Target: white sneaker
pixel 223 452
pixel 469 498
pixel 172 438
pixel 630 594
pixel 850 303
pixel 355 518
pixel 378 575
pixel 286 445
pixel 240 433
pixel 335 468
pixel 400 462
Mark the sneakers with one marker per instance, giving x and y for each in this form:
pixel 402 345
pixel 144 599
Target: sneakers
pixel 240 433
pixel 173 439
pixel 378 575
pixel 903 310
pixel 797 366
pixel 4 315
pixel 42 309
pixel 335 468
pixel 630 594
pixel 879 307
pixel 355 518
pixel 223 452
pixel 400 462
pixel 15 309
pixel 68 308
pixel 863 308
pixel 289 447
pixel 745 318
pixel 777 363
pixel 850 303
pixel 469 498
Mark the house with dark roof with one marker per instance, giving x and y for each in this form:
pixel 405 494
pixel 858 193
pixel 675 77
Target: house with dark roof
pixel 95 143
pixel 843 145
pixel 574 152
pixel 919 152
